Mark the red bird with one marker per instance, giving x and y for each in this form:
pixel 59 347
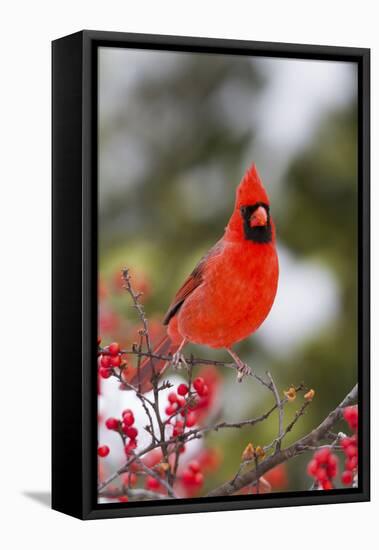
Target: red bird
pixel 231 290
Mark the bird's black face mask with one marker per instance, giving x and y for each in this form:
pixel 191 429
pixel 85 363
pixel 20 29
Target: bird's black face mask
pixel 256 222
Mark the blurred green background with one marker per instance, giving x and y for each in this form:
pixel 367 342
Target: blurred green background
pixel 176 133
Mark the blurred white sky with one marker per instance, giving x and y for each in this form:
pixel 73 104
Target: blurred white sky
pixel 307 300
pixel 297 92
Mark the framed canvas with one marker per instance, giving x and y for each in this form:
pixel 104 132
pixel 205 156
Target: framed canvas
pixel 210 275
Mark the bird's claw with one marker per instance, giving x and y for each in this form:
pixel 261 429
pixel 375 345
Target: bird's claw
pixel 178 360
pixel 243 370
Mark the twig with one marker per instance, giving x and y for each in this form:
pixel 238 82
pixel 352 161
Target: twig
pixel 154 379
pixel 298 414
pixel 137 494
pixel 135 297
pixel 289 427
pixel 192 361
pixel 156 476
pixel 280 411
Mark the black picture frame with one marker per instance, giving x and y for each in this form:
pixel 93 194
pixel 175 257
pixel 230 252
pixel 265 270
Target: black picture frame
pixel 74 272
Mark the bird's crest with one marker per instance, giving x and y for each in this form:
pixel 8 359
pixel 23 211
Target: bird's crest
pixel 251 190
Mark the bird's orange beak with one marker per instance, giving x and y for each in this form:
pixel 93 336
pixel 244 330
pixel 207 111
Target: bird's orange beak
pixel 259 217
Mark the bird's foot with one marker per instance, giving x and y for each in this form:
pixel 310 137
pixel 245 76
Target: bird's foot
pixel 243 370
pixel 178 361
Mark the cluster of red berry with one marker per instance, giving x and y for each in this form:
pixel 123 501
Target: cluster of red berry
pixel 109 360
pixel 125 427
pixel 179 404
pixel 324 465
pixel 185 403
pixel 201 387
pixel 192 477
pixel 350 445
pixel 323 468
pixel 206 387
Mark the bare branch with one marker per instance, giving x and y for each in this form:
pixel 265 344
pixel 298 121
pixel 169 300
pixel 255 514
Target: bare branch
pixel 281 412
pixel 135 494
pixel 295 449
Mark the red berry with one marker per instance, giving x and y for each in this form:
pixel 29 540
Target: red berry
pixel 327 485
pixel 181 402
pixel 345 442
pixel 194 466
pixel 171 409
pixel 178 428
pixel 182 389
pixel 332 460
pixel 105 373
pixel 127 418
pixel 112 423
pixel 124 427
pixel 105 361
pixel 199 478
pixel 198 384
pixel 321 474
pixel 172 397
pixel 351 451
pixel 351 416
pixel 312 468
pixel 114 348
pixel 191 420
pixel 331 471
pixel 152 483
pixel 129 447
pixel 347 477
pixel 182 449
pixel 132 432
pixel 188 477
pixel 115 360
pixel 204 391
pixel 351 463
pixel 123 498
pixel 322 455
pixel 103 451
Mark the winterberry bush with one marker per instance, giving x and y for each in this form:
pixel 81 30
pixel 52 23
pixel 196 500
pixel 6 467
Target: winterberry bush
pixel 160 457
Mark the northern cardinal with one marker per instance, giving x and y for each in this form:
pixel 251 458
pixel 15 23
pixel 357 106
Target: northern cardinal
pixel 231 290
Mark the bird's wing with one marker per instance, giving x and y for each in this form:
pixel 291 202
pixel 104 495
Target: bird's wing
pixel 192 282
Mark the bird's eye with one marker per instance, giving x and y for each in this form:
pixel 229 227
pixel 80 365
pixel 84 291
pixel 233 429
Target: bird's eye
pixel 243 209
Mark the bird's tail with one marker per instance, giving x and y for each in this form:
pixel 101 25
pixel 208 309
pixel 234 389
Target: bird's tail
pixel 149 366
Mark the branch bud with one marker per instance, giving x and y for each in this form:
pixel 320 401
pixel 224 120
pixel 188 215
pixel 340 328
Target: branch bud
pixel 259 452
pixel 309 395
pixel 162 468
pixel 290 393
pixel 248 453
